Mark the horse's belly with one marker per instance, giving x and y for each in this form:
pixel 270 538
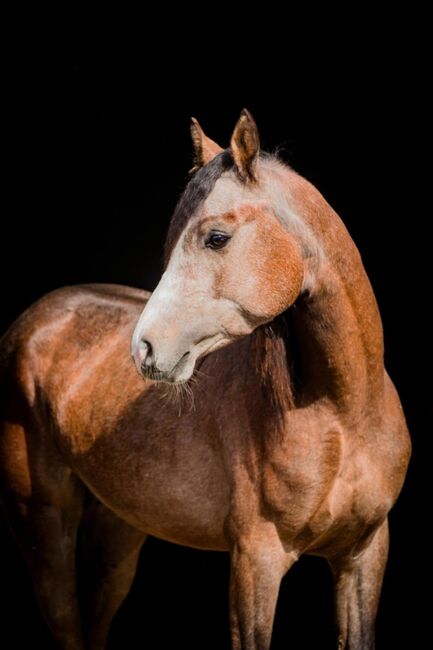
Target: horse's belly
pixel 176 491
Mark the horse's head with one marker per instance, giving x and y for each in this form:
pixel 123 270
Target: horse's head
pixel 234 257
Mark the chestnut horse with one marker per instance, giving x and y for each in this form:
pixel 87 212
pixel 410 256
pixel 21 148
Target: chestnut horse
pixel 294 441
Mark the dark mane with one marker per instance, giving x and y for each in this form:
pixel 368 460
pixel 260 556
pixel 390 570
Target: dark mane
pixel 273 346
pixel 197 190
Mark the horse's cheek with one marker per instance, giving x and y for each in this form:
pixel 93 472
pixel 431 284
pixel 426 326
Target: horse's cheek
pixel 278 272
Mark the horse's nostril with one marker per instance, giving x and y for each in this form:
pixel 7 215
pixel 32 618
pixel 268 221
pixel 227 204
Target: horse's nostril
pixel 147 360
pixel 145 368
pixel 146 351
pixel 144 354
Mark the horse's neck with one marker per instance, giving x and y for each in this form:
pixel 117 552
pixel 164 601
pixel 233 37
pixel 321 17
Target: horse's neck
pixel 336 325
pixel 337 357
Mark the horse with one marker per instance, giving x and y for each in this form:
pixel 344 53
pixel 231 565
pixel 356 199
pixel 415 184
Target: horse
pixel 256 416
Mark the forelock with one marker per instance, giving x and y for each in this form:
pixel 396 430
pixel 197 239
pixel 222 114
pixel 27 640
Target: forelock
pixel 217 184
pixel 195 193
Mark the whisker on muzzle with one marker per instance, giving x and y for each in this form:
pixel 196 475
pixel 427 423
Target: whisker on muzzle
pixel 180 395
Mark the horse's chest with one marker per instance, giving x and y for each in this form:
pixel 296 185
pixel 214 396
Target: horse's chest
pixel 296 479
pixel 318 486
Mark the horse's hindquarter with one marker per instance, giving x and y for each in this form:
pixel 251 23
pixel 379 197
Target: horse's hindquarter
pixel 124 438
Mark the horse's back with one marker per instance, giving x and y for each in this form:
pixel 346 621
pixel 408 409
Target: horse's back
pixel 59 331
pixel 47 317
pixel 45 352
pixel 65 300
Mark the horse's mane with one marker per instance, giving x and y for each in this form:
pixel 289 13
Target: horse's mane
pixel 274 358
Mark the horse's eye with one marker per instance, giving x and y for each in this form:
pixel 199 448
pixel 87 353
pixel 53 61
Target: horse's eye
pixel 216 240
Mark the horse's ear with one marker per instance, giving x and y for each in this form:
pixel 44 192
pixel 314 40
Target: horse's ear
pixel 245 147
pixel 204 148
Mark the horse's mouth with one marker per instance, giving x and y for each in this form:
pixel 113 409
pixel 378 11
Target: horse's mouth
pixel 219 341
pixel 174 376
pixel 199 363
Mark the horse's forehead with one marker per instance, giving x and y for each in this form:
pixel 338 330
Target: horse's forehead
pixel 228 195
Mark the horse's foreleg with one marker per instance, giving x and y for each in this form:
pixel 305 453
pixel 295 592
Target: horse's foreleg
pixel 114 547
pixel 258 564
pixel 358 582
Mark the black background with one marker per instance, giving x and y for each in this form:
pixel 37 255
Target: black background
pixel 99 152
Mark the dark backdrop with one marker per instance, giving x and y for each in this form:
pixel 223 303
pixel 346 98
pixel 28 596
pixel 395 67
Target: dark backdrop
pixel 99 153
